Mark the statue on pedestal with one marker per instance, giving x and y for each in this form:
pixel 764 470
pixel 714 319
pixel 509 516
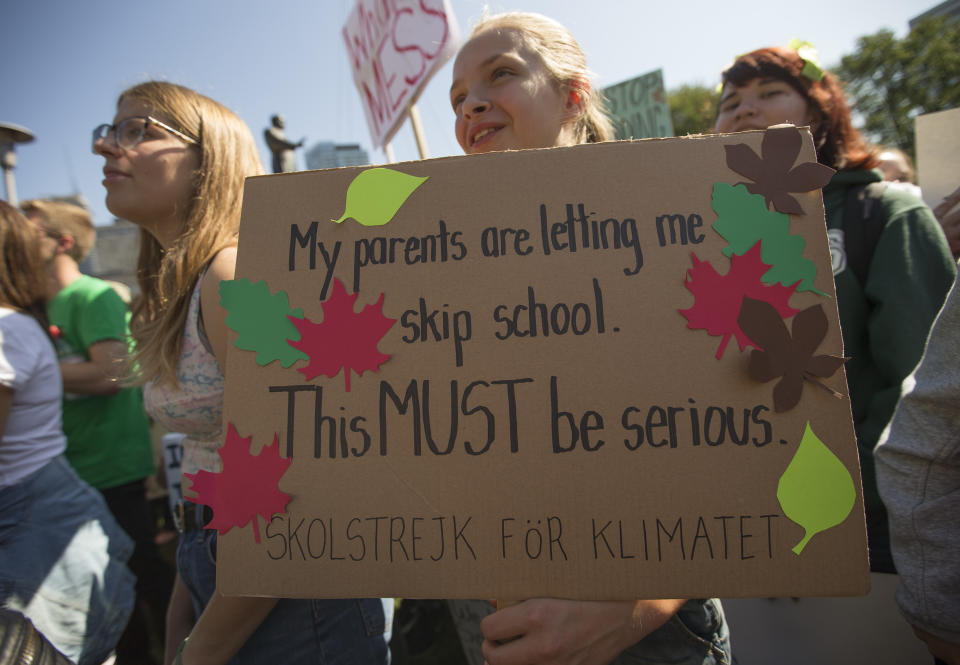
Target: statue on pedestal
pixel 284 159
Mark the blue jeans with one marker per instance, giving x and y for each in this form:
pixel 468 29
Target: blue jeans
pixel 297 631
pixel 62 562
pixel 696 635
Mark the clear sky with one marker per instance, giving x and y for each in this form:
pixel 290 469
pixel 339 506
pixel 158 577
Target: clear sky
pixel 66 61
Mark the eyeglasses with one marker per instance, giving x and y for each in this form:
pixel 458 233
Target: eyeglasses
pixel 129 132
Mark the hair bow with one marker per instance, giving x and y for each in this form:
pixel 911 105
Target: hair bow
pixel 812 69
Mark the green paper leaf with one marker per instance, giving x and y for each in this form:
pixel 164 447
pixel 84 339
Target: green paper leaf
pixel 743 220
pixel 260 319
pixel 375 196
pixel 816 491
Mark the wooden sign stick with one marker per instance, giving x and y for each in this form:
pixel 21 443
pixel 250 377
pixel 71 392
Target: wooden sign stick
pixel 414 113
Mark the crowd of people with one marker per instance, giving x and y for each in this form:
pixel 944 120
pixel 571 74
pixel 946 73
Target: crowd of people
pixel 80 374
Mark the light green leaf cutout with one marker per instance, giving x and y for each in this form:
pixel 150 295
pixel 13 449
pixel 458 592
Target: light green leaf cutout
pixel 816 491
pixel 375 196
pixel 743 219
pixel 262 320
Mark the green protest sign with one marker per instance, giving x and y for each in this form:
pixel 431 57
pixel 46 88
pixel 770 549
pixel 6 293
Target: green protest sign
pixel 639 107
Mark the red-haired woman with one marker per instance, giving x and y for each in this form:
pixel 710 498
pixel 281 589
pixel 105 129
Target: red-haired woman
pixel 891 263
pixel 888 295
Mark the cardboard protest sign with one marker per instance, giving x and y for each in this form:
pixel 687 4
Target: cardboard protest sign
pixel 539 373
pixel 394 49
pixel 639 107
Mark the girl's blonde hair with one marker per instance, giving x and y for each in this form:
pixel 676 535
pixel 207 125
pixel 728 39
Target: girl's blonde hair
pixel 566 62
pixel 211 219
pixel 23 276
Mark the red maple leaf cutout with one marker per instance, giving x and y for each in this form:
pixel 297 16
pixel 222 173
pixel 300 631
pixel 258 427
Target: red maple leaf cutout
pixel 345 339
pixel 245 488
pixel 773 172
pixel 717 298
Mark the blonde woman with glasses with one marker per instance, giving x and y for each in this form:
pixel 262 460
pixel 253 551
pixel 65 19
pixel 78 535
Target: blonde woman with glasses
pixel 174 164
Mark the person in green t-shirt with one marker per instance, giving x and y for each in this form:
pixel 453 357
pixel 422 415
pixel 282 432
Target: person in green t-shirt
pixel 108 434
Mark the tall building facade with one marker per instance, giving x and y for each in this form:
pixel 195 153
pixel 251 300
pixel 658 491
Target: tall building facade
pixel 114 254
pixel 328 155
pixel 948 10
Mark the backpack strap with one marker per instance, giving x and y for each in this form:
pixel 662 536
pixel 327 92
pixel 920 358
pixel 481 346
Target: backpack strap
pixel 862 225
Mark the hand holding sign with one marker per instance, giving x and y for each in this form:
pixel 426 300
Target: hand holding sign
pixel 562 632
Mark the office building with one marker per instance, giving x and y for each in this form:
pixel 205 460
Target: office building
pixel 328 155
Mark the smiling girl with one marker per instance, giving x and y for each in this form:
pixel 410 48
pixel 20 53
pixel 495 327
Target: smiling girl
pixel 521 81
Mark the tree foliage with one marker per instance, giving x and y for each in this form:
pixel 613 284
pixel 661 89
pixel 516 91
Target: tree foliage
pixel 693 109
pixel 890 81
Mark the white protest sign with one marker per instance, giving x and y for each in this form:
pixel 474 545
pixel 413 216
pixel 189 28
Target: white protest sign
pixel 938 143
pixel 172 458
pixel 394 47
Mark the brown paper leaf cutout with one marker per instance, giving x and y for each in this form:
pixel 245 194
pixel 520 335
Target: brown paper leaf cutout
pixel 787 357
pixel 773 172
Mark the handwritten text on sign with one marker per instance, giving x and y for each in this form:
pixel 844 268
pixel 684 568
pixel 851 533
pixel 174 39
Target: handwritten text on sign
pixel 496 376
